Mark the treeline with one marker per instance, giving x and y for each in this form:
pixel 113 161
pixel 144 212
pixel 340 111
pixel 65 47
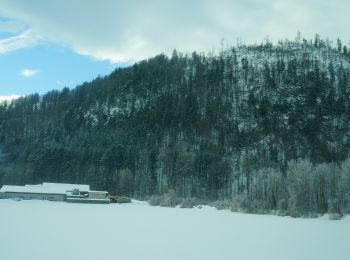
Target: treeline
pixel 258 124
pixel 304 190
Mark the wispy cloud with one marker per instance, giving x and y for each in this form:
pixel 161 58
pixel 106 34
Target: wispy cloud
pixel 9 97
pixel 12 26
pixel 65 83
pixel 23 40
pixel 27 73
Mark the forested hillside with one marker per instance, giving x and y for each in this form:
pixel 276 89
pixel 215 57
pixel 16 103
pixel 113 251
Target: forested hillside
pixel 265 126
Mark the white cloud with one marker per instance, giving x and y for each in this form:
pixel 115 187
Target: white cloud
pixel 27 73
pixel 10 97
pixel 119 30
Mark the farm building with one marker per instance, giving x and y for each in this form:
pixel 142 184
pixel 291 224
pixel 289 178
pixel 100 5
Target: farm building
pixel 54 192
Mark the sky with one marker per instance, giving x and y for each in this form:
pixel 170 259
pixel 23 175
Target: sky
pixel 48 45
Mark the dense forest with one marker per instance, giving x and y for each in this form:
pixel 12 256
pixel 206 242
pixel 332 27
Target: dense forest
pixel 260 128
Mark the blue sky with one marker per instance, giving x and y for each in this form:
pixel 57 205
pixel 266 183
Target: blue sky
pixel 47 45
pixel 48 67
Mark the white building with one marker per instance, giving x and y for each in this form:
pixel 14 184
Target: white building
pixel 54 192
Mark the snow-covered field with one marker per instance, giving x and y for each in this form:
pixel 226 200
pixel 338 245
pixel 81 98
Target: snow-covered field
pixel 41 230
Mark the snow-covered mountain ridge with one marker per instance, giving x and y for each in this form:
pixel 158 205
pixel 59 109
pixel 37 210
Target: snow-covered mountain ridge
pixel 261 125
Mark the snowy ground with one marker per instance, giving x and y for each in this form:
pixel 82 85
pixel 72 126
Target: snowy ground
pixel 40 230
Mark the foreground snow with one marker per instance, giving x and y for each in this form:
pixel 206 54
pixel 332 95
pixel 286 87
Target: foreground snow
pixel 38 230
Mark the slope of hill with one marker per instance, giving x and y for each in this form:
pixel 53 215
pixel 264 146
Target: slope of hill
pixel 265 125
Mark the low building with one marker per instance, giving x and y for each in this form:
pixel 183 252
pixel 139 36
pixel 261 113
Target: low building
pixel 54 192
pixel 87 197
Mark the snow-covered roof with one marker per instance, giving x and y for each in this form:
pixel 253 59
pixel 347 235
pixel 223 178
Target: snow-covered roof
pixel 53 188
pixel 67 186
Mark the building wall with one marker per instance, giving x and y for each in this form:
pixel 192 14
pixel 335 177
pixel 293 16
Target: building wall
pixel 32 196
pixel 97 195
